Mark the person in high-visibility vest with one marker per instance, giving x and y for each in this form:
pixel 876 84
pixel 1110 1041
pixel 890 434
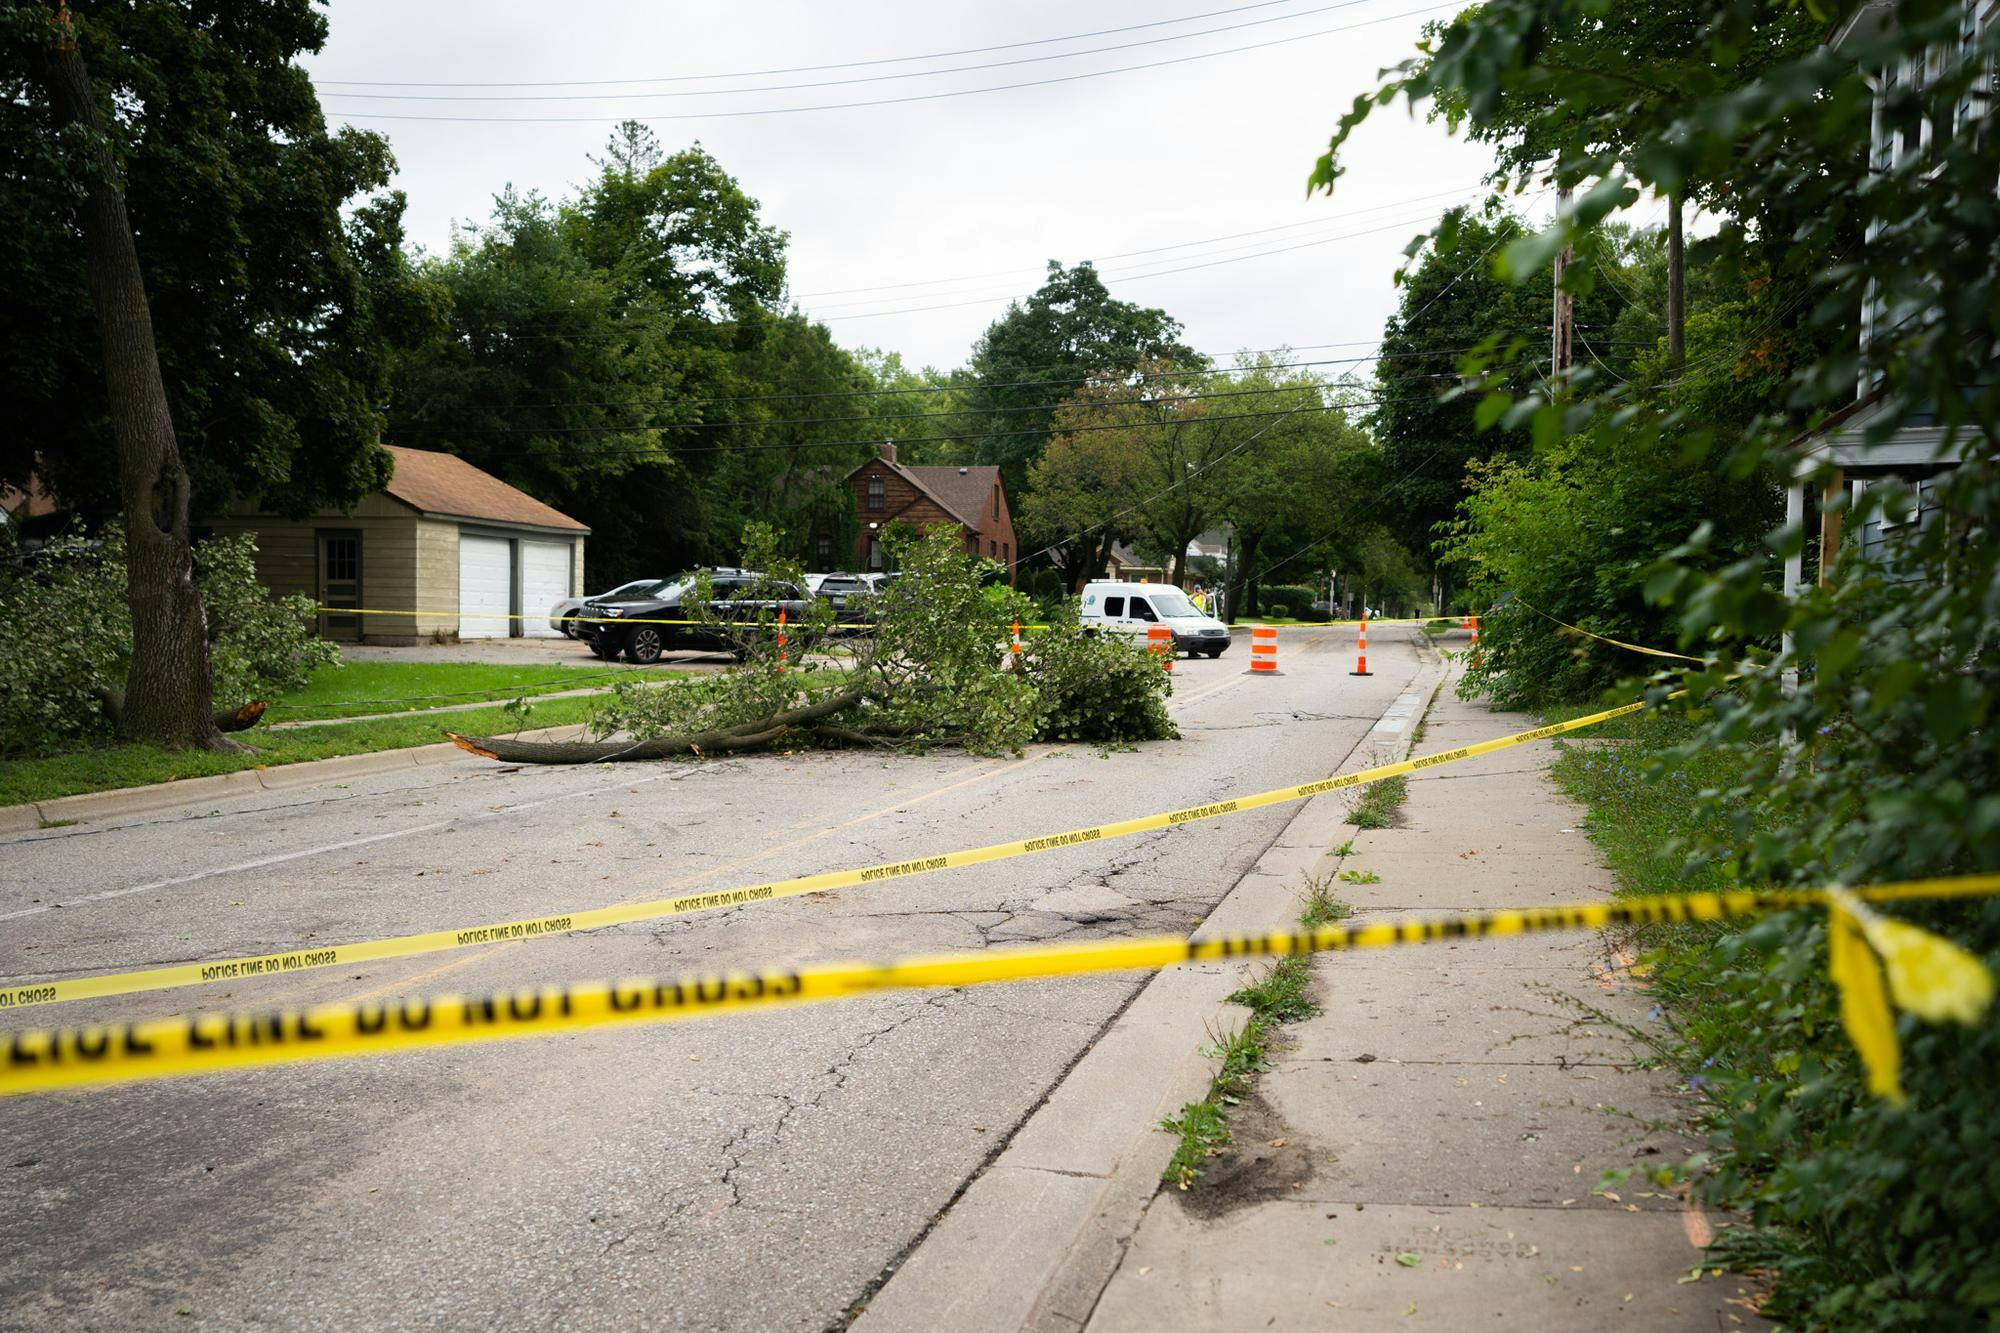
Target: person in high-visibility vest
pixel 1200 598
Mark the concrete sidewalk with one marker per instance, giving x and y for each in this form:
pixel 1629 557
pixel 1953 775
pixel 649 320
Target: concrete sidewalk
pixel 1428 1149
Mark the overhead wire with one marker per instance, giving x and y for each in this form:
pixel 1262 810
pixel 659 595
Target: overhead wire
pixel 860 79
pixel 898 101
pixel 812 69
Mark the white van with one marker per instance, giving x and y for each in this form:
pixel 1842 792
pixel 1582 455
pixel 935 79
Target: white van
pixel 1110 607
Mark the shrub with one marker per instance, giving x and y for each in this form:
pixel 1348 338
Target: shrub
pixel 1101 688
pixel 66 636
pixel 1286 599
pixel 1045 588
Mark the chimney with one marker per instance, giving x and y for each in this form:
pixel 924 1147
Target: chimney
pixel 888 451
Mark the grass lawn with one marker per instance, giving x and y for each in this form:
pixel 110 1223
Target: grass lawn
pixel 136 765
pixel 355 689
pixel 1634 819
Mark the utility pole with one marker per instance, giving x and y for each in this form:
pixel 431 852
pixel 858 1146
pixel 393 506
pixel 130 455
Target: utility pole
pixel 1676 284
pixel 1562 350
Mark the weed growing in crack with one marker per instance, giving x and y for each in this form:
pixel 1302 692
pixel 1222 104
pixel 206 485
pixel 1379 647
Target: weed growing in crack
pixel 1283 996
pixel 1345 849
pixel 1359 877
pixel 1320 906
pixel 1376 806
pixel 1203 1126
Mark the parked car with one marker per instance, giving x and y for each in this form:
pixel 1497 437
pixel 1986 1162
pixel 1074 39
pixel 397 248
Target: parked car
pixel 736 595
pixel 851 596
pixel 562 616
pixel 1111 607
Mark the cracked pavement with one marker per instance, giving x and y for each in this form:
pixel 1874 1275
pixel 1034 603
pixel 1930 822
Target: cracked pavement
pixel 751 1171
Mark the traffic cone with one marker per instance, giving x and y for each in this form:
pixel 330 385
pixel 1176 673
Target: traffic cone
pixel 1475 640
pixel 1017 645
pixel 1264 651
pixel 1467 622
pixel 1361 650
pixel 1160 639
pixel 781 640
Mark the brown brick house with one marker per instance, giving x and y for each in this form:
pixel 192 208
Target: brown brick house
pixel 971 499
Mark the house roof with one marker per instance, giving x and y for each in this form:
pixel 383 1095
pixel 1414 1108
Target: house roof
pixel 958 491
pixel 446 484
pixel 962 490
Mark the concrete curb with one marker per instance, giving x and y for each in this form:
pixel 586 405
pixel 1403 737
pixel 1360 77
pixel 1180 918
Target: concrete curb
pixel 1038 1233
pixel 196 791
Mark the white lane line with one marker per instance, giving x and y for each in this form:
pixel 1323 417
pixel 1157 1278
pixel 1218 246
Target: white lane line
pixel 322 850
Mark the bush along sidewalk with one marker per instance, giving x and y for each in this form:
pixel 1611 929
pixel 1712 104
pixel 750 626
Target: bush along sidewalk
pixel 1866 1214
pixel 1283 996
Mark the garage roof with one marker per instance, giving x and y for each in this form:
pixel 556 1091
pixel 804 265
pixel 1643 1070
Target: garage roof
pixel 446 484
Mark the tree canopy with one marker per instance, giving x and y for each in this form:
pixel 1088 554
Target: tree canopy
pixel 1032 357
pixel 271 249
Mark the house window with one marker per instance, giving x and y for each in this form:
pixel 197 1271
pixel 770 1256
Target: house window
pixel 824 550
pixel 874 553
pixel 996 499
pixel 992 549
pixel 1005 559
pixel 876 494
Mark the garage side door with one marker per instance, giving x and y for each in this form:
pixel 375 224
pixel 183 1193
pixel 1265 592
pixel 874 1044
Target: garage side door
pixel 485 586
pixel 544 582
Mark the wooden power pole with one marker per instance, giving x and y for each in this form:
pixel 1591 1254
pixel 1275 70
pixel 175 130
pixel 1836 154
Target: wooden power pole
pixel 1676 284
pixel 1562 350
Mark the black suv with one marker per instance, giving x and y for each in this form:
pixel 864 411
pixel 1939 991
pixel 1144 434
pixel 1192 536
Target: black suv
pixel 737 595
pixel 852 597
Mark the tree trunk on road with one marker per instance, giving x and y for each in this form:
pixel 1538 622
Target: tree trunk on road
pixel 168 691
pixel 815 719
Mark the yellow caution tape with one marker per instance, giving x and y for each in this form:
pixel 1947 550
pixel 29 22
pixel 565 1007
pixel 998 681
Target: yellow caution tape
pixel 455 614
pixel 41 1061
pixel 404 946
pixel 1616 643
pixel 1864 1002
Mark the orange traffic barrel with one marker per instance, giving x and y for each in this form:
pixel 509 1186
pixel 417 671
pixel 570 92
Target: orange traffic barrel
pixel 1160 639
pixel 1264 651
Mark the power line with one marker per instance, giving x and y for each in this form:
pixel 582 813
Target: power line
pixel 622 327
pixel 842 83
pixel 1141 277
pixel 812 69
pixel 872 418
pixel 901 101
pixel 970 386
pixel 1094 260
pixel 1346 404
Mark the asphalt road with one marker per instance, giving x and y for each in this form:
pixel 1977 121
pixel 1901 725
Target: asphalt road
pixel 756 1171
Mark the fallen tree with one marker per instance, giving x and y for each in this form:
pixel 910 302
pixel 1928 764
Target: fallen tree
pixel 936 670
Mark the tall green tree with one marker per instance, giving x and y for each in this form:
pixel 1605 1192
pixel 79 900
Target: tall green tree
pixel 1034 356
pixel 608 355
pixel 241 349
pixel 1292 483
pixel 270 248
pixel 1452 303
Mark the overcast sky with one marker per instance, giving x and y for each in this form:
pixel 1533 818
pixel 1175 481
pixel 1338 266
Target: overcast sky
pixel 913 223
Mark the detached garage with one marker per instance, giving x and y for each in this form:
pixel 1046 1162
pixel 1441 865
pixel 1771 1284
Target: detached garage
pixel 443 551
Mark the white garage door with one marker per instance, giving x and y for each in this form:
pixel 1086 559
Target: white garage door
pixel 544 582
pixel 485 586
